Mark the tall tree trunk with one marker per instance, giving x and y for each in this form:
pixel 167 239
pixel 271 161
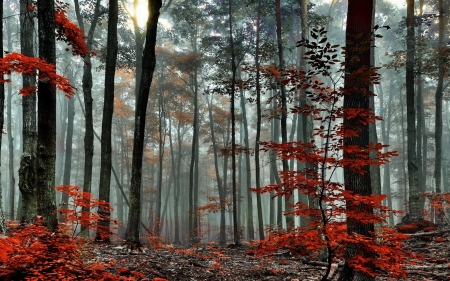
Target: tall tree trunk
pixel 421 130
pixel 108 109
pixel 248 177
pixel 233 125
pixel 69 140
pixel 414 196
pixel 192 207
pixel 222 235
pixel 12 180
pixel 176 190
pixel 359 20
pixel 439 92
pixel 385 130
pixel 375 171
pixel 46 137
pixel 148 67
pixel 258 125
pixel 290 224
pixel 87 92
pixel 27 170
pixel 161 116
pixel 2 103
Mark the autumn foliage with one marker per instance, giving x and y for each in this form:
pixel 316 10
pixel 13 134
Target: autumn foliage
pixel 74 215
pixel 32 252
pixel 325 236
pixel 15 62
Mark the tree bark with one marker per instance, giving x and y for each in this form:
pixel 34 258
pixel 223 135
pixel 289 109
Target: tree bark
pixel 46 137
pixel 222 235
pixel 359 21
pixel 258 124
pixel 438 97
pixel 148 67
pixel 289 199
pixel 108 108
pixel 233 125
pixel 414 196
pixel 12 180
pixel 27 170
pixel 2 103
pixel 87 93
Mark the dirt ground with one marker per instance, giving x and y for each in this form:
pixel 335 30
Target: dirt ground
pixel 208 262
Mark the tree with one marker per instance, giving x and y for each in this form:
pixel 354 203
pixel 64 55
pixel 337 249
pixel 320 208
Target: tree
pixel 357 96
pixel 414 196
pixel 87 93
pixel 46 119
pixel 289 199
pixel 438 96
pixel 108 109
pixel 148 66
pixel 338 129
pixel 27 170
pixel 2 101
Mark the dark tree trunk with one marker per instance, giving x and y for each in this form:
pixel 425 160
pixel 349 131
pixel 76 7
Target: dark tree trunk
pixel 359 21
pixel 414 194
pixel 248 177
pixel 69 141
pixel 46 137
pixel 27 170
pixel 222 235
pixel 108 108
pixel 289 199
pixel 439 91
pixel 148 67
pixel 87 92
pixel 161 116
pixel 258 126
pixel 233 125
pixel 421 138
pixel 2 103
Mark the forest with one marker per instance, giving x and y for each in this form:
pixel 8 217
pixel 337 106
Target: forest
pixel 224 140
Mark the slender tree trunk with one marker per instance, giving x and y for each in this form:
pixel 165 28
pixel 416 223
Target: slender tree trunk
pixel 69 140
pixel 27 170
pixel 176 190
pixel 233 125
pixel 2 102
pixel 148 68
pixel 87 92
pixel 439 92
pixel 414 196
pixel 222 235
pixel 248 177
pixel 161 116
pixel 108 109
pixel 385 130
pixel 12 180
pixel 290 224
pixel 421 139
pixel 46 137
pixel 258 126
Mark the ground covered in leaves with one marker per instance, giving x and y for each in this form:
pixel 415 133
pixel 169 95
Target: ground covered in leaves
pixel 209 262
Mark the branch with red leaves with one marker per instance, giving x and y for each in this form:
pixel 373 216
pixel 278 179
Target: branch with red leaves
pixel 15 62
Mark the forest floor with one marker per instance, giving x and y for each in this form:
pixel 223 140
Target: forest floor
pixel 212 263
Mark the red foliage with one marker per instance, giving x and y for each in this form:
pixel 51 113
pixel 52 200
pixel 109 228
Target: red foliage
pixel 15 62
pixel 330 203
pixel 74 215
pixel 32 252
pixel 71 34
